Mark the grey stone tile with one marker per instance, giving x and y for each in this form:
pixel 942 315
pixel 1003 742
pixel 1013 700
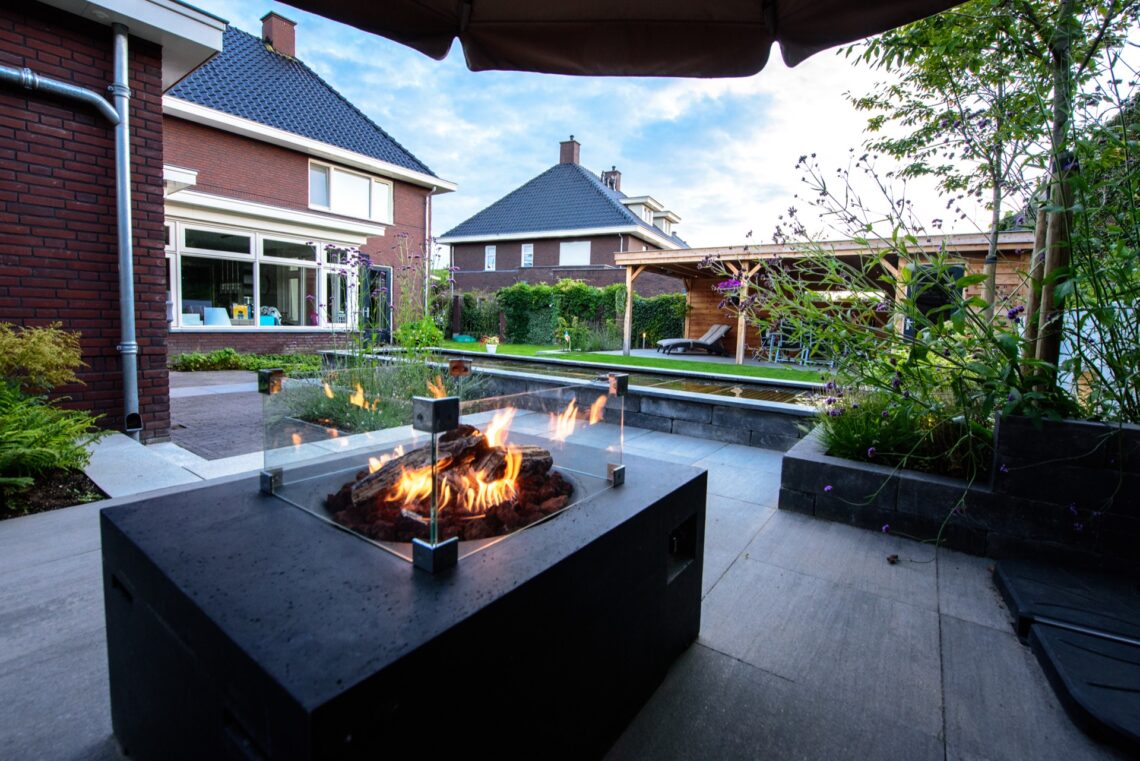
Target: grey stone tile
pixel 214 426
pixel 754 459
pixel 999 705
pixel 858 647
pixel 58 708
pixel 121 466
pixel 761 488
pixel 850 556
pixel 712 706
pixel 673 447
pixel 45 537
pixel 49 604
pixel 729 525
pixel 966 590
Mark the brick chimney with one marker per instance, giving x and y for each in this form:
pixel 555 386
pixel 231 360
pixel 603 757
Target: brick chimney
pixel 612 179
pixel 279 33
pixel 568 153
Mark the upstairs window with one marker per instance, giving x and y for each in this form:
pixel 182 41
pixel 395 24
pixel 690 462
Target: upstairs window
pixel 349 193
pixel 527 255
pixel 489 258
pixel 574 253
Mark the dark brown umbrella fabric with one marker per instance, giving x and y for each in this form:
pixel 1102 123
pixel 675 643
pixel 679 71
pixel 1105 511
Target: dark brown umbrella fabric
pixel 655 38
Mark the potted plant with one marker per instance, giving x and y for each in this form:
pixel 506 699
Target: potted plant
pixel 491 343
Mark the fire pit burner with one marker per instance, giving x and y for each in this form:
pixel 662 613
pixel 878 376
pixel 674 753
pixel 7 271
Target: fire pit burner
pixel 483 489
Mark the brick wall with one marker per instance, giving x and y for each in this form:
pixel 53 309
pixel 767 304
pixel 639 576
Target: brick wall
pixel 234 166
pixel 408 232
pixel 254 342
pixel 469 258
pixel 58 243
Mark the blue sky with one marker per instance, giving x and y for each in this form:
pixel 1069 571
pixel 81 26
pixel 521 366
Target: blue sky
pixel 719 153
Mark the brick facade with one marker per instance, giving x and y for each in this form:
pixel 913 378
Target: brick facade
pixel 233 166
pixel 469 258
pixel 276 341
pixel 58 250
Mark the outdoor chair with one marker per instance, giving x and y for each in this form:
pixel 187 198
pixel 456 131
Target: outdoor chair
pixel 709 342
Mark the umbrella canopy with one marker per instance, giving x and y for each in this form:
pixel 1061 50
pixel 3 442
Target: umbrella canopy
pixel 656 38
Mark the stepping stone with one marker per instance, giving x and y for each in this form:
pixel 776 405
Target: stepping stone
pixel 1097 680
pixel 1041 592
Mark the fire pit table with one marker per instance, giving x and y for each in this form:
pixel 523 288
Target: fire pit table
pixel 246 620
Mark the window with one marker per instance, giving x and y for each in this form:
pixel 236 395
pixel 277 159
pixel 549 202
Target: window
pixel 489 258
pixel 224 278
pixel 574 253
pixel 216 240
pixel 527 255
pixel 349 193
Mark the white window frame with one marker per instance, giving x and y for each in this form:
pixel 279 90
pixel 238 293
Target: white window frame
pixel 526 256
pixel 568 247
pixel 489 255
pixel 178 250
pixel 381 211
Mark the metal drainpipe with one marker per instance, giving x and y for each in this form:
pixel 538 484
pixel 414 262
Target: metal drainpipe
pixel 128 347
pixel 30 80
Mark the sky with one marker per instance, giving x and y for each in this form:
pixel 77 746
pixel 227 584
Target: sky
pixel 720 153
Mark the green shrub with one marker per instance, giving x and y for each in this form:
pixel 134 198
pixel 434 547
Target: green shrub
pixel 419 334
pixel 228 359
pixel 658 317
pixel 36 437
pixel 38 359
pixel 480 315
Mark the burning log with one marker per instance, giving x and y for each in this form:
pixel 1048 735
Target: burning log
pixel 482 490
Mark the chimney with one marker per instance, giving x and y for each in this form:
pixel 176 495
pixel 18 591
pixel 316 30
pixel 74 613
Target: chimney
pixel 280 34
pixel 568 153
pixel 612 179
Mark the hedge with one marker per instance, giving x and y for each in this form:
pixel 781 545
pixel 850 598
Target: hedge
pixel 533 311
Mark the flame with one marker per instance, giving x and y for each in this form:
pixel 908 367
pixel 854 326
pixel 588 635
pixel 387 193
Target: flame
pixel 296 439
pixel 597 409
pixel 496 433
pixel 414 485
pixel 357 398
pixel 436 389
pixel 332 432
pixel 563 424
pixel 478 492
pixel 328 390
pixel 374 464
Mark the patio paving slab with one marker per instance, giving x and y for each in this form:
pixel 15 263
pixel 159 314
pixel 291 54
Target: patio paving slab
pixel 121 466
pixel 863 649
pixel 729 525
pixel 966 591
pixel 849 557
pixel 713 706
pixel 999 705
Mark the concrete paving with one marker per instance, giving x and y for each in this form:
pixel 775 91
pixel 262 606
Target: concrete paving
pixel 812 645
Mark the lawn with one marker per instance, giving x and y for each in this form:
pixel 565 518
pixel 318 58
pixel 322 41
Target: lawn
pixel 689 365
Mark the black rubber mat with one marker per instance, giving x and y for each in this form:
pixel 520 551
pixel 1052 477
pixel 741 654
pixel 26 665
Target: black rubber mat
pixel 1097 680
pixel 1049 593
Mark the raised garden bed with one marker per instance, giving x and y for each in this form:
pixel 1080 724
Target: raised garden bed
pixel 1067 489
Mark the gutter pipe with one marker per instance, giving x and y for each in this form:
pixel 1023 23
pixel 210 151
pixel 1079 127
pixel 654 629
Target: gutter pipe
pixel 118 116
pixel 128 347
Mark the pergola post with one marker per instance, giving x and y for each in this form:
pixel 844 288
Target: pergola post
pixel 741 326
pixel 631 274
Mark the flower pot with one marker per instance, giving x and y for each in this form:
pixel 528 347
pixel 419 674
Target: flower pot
pixel 492 348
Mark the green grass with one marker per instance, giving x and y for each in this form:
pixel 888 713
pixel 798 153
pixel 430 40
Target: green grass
pixel 519 350
pixel 689 365
pixel 695 365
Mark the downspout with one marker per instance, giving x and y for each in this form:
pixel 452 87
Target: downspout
pixel 30 80
pixel 128 347
pixel 427 251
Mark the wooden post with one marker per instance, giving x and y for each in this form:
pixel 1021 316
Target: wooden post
pixel 740 338
pixel 688 281
pixel 631 274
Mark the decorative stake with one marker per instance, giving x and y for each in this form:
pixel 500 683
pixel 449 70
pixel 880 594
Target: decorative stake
pixel 271 480
pixel 270 381
pixel 435 558
pixel 435 415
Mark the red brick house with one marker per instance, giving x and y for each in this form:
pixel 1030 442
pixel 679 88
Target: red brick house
pixel 270 176
pixel 565 223
pixel 60 249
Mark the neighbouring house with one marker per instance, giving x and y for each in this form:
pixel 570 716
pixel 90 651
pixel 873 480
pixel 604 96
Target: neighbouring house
pixel 706 304
pixel 565 223
pixel 271 175
pixel 60 250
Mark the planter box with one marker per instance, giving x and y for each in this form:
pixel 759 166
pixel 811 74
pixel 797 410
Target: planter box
pixel 1069 489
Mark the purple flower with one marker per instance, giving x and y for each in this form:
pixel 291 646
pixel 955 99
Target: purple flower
pixel 883 306
pixel 886 529
pixel 728 285
pixel 896 382
pixel 886 414
pixel 1073 508
pixel 1011 397
pixel 1078 527
pixel 906 394
pixel 1015 312
pixel 870 452
pixel 827 488
pixel 1003 468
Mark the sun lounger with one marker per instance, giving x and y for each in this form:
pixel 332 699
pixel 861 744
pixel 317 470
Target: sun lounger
pixel 709 342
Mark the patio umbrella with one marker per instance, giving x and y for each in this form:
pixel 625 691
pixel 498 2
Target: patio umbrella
pixel 690 38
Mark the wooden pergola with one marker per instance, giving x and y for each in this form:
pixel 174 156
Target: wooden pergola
pixel 702 302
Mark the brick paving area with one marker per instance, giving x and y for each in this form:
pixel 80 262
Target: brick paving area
pixel 216 425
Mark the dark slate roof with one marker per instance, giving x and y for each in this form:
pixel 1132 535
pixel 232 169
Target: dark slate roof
pixel 564 197
pixel 249 80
